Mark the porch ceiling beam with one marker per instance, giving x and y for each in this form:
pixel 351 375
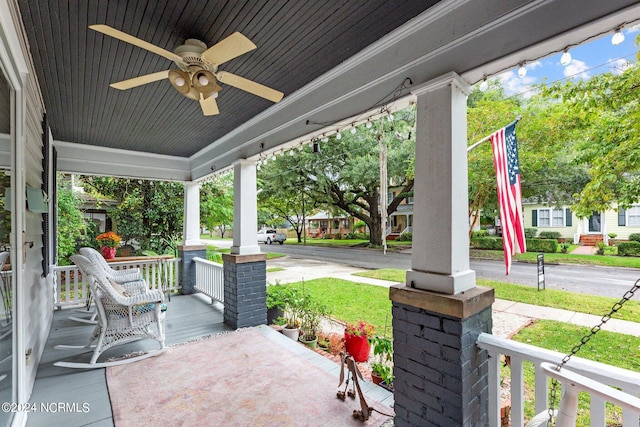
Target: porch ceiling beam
pixel 468 37
pixel 92 160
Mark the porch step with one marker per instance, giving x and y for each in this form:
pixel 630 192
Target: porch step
pixel 590 239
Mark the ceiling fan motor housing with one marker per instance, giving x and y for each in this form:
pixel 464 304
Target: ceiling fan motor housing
pixel 191 54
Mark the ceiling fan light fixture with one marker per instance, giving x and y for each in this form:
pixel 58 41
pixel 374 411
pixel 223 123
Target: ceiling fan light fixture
pixel 205 82
pixel 178 80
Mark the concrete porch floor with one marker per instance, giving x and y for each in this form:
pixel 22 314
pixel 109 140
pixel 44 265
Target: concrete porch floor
pixel 188 317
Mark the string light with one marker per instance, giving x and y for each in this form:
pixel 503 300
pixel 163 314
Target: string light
pixel 353 129
pixel 522 71
pixel 565 59
pixel 369 124
pixel 484 85
pixel 618 37
pixel 338 135
pixel 390 117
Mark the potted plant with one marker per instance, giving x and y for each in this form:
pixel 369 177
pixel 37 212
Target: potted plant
pixel 356 340
pixel 109 241
pixel 311 315
pixel 277 297
pixel 292 315
pixel 382 366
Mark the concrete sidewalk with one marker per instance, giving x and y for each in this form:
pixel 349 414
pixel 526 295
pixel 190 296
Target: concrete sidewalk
pixel 517 313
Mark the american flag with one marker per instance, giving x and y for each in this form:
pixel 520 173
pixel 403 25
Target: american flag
pixel 505 160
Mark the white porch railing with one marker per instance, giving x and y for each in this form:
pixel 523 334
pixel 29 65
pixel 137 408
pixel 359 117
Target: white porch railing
pixel 160 272
pixel 625 380
pixel 209 279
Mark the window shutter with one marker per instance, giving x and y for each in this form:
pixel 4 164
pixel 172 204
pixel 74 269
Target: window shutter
pixel 567 220
pixel 622 217
pixel 45 187
pixel 534 218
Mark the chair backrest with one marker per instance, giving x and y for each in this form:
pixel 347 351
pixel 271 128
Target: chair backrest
pixel 96 257
pixel 95 275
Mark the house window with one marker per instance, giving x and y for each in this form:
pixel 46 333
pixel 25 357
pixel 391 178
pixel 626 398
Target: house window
pixel 552 218
pixel 409 199
pixel 633 216
pixel 390 196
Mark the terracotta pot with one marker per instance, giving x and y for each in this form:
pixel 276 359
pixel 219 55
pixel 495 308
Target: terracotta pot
pixel 375 378
pixel 108 253
pixel 356 346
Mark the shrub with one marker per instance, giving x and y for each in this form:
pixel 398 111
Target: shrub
pixel 629 248
pixel 564 247
pixel 549 235
pixel 542 245
pixel 613 235
pixel 355 236
pixel 480 233
pixel 634 237
pixel 487 243
pixel 530 233
pixel 337 236
pixel 601 246
pixel 407 236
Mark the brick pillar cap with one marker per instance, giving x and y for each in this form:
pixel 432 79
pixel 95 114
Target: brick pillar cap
pixel 241 259
pixel 462 305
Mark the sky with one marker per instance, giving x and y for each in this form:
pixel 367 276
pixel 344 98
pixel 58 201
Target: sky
pixel 588 59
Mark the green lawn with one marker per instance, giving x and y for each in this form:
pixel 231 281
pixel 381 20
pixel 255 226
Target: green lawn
pixel 609 260
pixel 342 242
pixel 590 304
pixel 349 301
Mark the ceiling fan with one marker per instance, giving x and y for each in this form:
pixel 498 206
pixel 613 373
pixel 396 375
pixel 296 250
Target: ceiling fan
pixel 198 75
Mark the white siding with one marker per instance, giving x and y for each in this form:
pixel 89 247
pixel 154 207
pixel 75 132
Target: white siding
pixel 566 232
pixel 37 294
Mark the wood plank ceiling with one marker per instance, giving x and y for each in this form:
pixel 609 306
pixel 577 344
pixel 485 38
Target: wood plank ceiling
pixel 297 42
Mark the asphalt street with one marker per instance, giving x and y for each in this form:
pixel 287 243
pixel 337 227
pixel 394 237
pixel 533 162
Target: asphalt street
pixel 605 281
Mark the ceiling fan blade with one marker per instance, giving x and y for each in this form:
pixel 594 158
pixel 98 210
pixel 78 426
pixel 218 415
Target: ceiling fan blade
pixel 209 105
pixel 140 80
pixel 250 86
pixel 105 29
pixel 231 47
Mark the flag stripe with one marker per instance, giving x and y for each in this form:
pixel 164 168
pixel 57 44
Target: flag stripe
pixel 505 160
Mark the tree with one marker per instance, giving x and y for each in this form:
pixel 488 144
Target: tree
pixel 216 203
pixel 547 135
pixel 346 173
pixel 71 224
pixel 151 212
pixel 609 122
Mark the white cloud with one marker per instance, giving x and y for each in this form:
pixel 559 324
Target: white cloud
pixel 577 70
pixel 533 65
pixel 620 65
pixel 631 30
pixel 514 85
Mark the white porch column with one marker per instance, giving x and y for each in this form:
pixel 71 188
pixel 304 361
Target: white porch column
pixel 245 209
pixel 440 254
pixel 191 226
pixel 440 376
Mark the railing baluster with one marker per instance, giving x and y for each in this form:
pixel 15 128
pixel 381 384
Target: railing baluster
pixel 517 391
pixel 542 394
pixel 494 389
pixel 209 279
pixel 598 411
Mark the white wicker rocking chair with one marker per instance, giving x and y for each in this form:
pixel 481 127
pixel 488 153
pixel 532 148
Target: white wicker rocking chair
pixel 128 278
pixel 124 315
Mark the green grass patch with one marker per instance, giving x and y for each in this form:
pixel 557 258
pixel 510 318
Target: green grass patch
pixel 605 347
pixel 590 304
pixel 608 260
pixel 274 269
pixel 349 301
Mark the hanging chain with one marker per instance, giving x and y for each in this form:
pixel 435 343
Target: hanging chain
pixel 585 339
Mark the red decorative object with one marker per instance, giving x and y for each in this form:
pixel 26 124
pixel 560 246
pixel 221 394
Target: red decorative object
pixel 108 253
pixel 357 346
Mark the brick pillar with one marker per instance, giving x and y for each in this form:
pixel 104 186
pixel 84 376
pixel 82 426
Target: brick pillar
pixel 245 290
pixel 188 267
pixel 441 377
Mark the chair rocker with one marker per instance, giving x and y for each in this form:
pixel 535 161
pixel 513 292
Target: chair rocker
pixel 124 315
pixel 124 277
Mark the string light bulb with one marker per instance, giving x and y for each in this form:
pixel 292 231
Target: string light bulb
pixel 353 130
pixel 565 59
pixel 338 135
pixel 484 85
pixel 522 71
pixel 390 117
pixel 291 153
pixel 273 157
pixel 369 124
pixel 618 37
